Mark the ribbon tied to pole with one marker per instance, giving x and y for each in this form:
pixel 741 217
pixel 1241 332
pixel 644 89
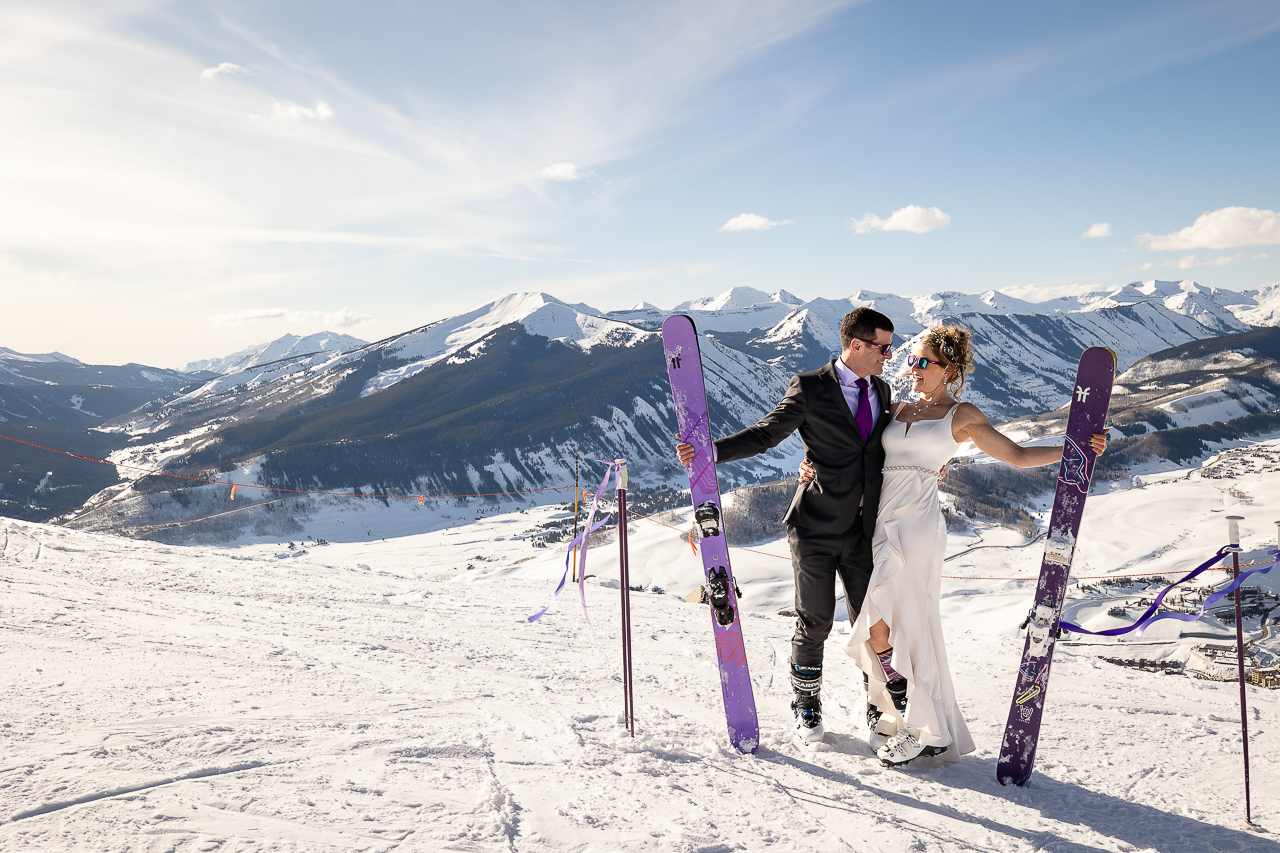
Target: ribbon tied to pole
pixel 614 469
pixel 1150 616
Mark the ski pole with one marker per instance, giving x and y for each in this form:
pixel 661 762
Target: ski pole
pixel 1233 530
pixel 624 575
pixel 574 576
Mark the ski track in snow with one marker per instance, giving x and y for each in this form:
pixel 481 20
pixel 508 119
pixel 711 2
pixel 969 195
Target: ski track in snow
pixel 381 696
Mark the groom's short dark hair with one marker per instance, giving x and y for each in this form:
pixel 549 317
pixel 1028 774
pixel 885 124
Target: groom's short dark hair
pixel 862 323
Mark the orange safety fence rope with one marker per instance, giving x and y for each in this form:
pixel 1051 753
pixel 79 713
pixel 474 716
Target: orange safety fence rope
pixel 234 486
pixel 420 499
pixel 948 577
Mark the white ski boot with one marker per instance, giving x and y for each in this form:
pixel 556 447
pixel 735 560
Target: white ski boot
pixel 879 727
pixel 904 747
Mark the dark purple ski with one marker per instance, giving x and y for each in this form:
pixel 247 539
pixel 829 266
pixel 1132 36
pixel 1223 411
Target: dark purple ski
pixel 1088 415
pixel 684 368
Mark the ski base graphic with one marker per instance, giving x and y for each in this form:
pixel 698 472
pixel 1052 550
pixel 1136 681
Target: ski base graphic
pixel 1088 415
pixel 684 369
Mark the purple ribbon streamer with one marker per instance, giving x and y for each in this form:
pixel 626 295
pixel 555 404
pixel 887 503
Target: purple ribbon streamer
pixel 582 559
pixel 1148 617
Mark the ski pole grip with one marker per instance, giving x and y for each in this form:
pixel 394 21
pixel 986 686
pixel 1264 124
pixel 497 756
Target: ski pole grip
pixel 1233 530
pixel 622 474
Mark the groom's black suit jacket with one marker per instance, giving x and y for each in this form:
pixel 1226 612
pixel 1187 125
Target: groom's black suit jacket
pixel 849 469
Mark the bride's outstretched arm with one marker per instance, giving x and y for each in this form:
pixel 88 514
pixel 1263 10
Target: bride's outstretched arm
pixel 970 423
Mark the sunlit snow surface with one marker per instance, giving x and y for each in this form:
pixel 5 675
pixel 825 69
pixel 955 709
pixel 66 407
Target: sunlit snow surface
pixel 390 695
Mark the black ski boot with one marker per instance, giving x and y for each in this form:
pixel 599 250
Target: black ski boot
pixel 806 682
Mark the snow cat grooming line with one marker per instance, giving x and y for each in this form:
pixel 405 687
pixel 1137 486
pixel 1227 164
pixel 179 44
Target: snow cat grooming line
pixel 1088 415
pixel 684 369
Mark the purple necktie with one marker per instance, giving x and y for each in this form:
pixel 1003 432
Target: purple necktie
pixel 863 417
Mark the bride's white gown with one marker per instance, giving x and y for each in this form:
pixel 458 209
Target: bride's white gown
pixel 909 544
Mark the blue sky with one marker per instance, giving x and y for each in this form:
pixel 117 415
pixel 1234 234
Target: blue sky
pixel 179 180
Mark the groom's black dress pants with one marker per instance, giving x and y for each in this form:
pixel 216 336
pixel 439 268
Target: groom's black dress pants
pixel 818 559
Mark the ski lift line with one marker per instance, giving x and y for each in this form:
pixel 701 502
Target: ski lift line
pixel 234 486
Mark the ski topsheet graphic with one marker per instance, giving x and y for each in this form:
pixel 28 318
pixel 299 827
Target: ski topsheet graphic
pixel 684 368
pixel 1088 416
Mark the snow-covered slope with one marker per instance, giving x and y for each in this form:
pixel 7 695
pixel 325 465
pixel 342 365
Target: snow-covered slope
pixel 1260 307
pixel 1195 384
pixel 284 347
pixel 736 310
pixel 7 354
pixel 390 694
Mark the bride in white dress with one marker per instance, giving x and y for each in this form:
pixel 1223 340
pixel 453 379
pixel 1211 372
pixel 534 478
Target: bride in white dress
pixel 897 637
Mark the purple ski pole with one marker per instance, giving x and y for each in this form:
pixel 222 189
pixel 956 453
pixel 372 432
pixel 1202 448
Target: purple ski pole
pixel 624 575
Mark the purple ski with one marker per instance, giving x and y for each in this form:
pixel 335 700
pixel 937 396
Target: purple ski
pixel 1088 415
pixel 684 368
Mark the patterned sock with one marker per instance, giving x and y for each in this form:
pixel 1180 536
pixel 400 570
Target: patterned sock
pixel 889 672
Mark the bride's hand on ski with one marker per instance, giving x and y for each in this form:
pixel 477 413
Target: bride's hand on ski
pixel 1098 442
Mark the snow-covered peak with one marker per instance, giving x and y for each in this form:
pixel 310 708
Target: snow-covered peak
pixel 44 358
pixel 1260 307
pixel 287 346
pixel 786 298
pixel 539 314
pixel 735 298
pixel 1206 305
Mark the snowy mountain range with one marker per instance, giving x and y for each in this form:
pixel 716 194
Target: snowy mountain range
pixel 288 346
pixel 503 397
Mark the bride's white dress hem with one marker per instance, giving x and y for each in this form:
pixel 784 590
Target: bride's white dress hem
pixel 908 547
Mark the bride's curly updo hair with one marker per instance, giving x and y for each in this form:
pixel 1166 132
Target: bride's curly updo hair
pixel 951 343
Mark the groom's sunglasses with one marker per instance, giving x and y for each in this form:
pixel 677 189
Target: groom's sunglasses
pixel 885 349
pixel 920 362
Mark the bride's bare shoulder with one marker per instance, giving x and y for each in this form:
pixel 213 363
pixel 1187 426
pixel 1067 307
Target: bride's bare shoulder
pixel 968 413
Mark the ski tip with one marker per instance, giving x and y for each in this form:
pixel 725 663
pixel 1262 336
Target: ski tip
pixel 1098 351
pixel 680 319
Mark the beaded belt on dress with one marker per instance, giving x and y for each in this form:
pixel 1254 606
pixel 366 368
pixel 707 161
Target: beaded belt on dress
pixel 909 468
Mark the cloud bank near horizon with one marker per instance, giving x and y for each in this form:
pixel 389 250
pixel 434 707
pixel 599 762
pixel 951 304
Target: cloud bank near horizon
pixel 1225 228
pixel 343 318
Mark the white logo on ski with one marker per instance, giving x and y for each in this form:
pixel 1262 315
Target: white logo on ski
pixel 1060 548
pixel 1082 394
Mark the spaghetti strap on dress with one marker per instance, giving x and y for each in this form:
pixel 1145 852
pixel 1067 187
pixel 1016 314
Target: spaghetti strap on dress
pixel 909 544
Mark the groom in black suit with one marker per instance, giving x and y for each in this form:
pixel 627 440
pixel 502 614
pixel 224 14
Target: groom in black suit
pixel 841 410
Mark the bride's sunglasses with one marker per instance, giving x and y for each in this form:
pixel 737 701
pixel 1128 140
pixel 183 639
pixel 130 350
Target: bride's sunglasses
pixel 920 362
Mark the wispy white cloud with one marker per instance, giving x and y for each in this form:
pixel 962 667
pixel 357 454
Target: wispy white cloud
pixel 1043 293
pixel 912 218
pixel 1098 229
pixel 563 172
pixel 751 222
pixel 295 112
pixel 1225 228
pixel 1133 43
pixel 1191 262
pixel 341 319
pixel 223 68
